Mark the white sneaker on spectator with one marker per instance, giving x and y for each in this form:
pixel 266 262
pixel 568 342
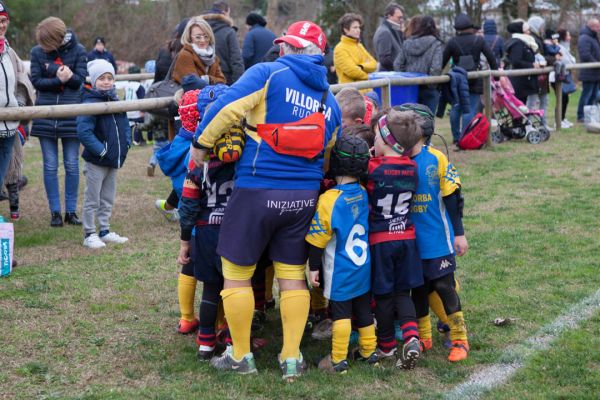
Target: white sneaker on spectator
pixel 112 237
pixel 566 124
pixel 93 242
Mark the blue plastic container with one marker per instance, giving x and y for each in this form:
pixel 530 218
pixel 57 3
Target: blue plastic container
pixel 399 94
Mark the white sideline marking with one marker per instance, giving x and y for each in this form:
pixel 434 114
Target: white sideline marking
pixel 514 357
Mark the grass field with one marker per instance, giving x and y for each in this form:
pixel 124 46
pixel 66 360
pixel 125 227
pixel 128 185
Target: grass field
pixel 86 324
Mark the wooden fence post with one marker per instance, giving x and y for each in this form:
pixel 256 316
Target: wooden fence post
pixel 487 103
pixel 558 106
pixel 386 96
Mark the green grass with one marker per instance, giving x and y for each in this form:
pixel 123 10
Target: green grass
pixel 79 324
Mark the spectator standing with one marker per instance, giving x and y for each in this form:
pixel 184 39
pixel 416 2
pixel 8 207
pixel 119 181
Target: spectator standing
pixel 15 90
pixel 228 48
pixel 423 52
pixel 167 54
pixel 465 49
pixel 520 52
pixel 588 47
pixel 388 36
pixel 493 40
pixel 100 52
pixel 568 86
pixel 198 55
pixel 352 61
pixel 258 40
pixel 58 69
pixel 537 27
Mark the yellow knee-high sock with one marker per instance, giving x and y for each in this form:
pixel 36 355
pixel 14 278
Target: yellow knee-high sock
pixel 458 329
pixel 424 327
pixel 367 341
pixel 186 291
pixel 238 304
pixel 317 299
pixel 294 305
pixel 435 303
pixel 269 277
pixel 340 339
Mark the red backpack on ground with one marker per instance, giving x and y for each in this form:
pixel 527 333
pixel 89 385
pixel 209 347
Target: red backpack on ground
pixel 475 134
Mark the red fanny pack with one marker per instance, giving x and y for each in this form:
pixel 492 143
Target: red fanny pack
pixel 303 138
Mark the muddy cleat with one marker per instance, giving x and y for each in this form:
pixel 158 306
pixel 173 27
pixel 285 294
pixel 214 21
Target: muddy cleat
pixel 292 368
pixel 426 344
pixel 269 304
pixel 373 359
pixel 322 330
pixel 226 362
pixel 459 350
pixel 382 355
pixel 411 351
pixel 205 353
pixel 184 327
pixel 327 365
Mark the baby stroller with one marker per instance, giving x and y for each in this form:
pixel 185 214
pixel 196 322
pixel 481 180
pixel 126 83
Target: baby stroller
pixel 515 120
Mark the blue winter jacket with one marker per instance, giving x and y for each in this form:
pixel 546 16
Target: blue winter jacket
pixel 256 44
pixel 105 138
pixel 173 159
pixel 104 55
pixel 589 51
pixel 283 91
pixel 51 91
pixel 456 92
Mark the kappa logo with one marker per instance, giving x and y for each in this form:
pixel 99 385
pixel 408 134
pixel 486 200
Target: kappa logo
pixel 445 264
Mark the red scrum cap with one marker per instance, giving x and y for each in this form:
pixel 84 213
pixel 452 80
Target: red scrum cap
pixel 302 33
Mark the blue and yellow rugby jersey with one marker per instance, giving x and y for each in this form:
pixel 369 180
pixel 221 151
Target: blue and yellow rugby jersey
pixel 286 90
pixel 341 227
pixel 437 179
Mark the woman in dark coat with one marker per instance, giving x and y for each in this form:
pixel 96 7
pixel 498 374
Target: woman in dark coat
pixel 521 55
pixel 58 69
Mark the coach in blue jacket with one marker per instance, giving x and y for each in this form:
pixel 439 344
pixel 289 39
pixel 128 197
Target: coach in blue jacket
pixel 58 69
pixel 276 185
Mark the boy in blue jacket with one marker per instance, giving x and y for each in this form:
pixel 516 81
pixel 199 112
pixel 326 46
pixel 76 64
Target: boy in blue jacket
pixel 106 140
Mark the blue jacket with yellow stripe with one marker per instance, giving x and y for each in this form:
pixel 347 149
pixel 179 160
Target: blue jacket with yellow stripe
pixel 286 90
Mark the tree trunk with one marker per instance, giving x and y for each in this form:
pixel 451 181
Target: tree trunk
pixel 522 6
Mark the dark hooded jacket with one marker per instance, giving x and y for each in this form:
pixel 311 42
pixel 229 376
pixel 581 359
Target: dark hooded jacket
pixel 455 92
pixel 104 55
pixel 588 47
pixel 465 43
pixel 421 54
pixel 257 43
pixel 105 138
pixel 51 91
pixel 228 48
pixel 494 41
pixel 521 56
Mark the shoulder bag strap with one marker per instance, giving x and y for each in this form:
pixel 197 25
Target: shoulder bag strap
pixel 323 100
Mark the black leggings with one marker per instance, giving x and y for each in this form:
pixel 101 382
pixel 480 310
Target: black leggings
pixel 359 307
pixel 211 295
pixel 394 306
pixel 445 286
pixel 173 199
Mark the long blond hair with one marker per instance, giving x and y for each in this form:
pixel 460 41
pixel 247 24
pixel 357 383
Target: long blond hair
pixel 186 37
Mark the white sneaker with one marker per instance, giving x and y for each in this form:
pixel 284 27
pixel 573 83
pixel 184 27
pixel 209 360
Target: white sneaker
pixel 112 237
pixel 170 215
pixel 93 242
pixel 566 124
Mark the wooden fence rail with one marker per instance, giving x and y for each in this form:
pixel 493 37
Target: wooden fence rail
pixel 73 110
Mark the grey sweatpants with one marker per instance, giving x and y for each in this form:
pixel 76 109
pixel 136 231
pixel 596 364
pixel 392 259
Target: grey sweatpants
pixel 99 196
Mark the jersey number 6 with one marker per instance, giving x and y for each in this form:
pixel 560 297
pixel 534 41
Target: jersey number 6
pixel 354 241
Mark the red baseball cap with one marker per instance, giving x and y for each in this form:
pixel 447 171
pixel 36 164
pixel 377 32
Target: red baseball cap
pixel 302 33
